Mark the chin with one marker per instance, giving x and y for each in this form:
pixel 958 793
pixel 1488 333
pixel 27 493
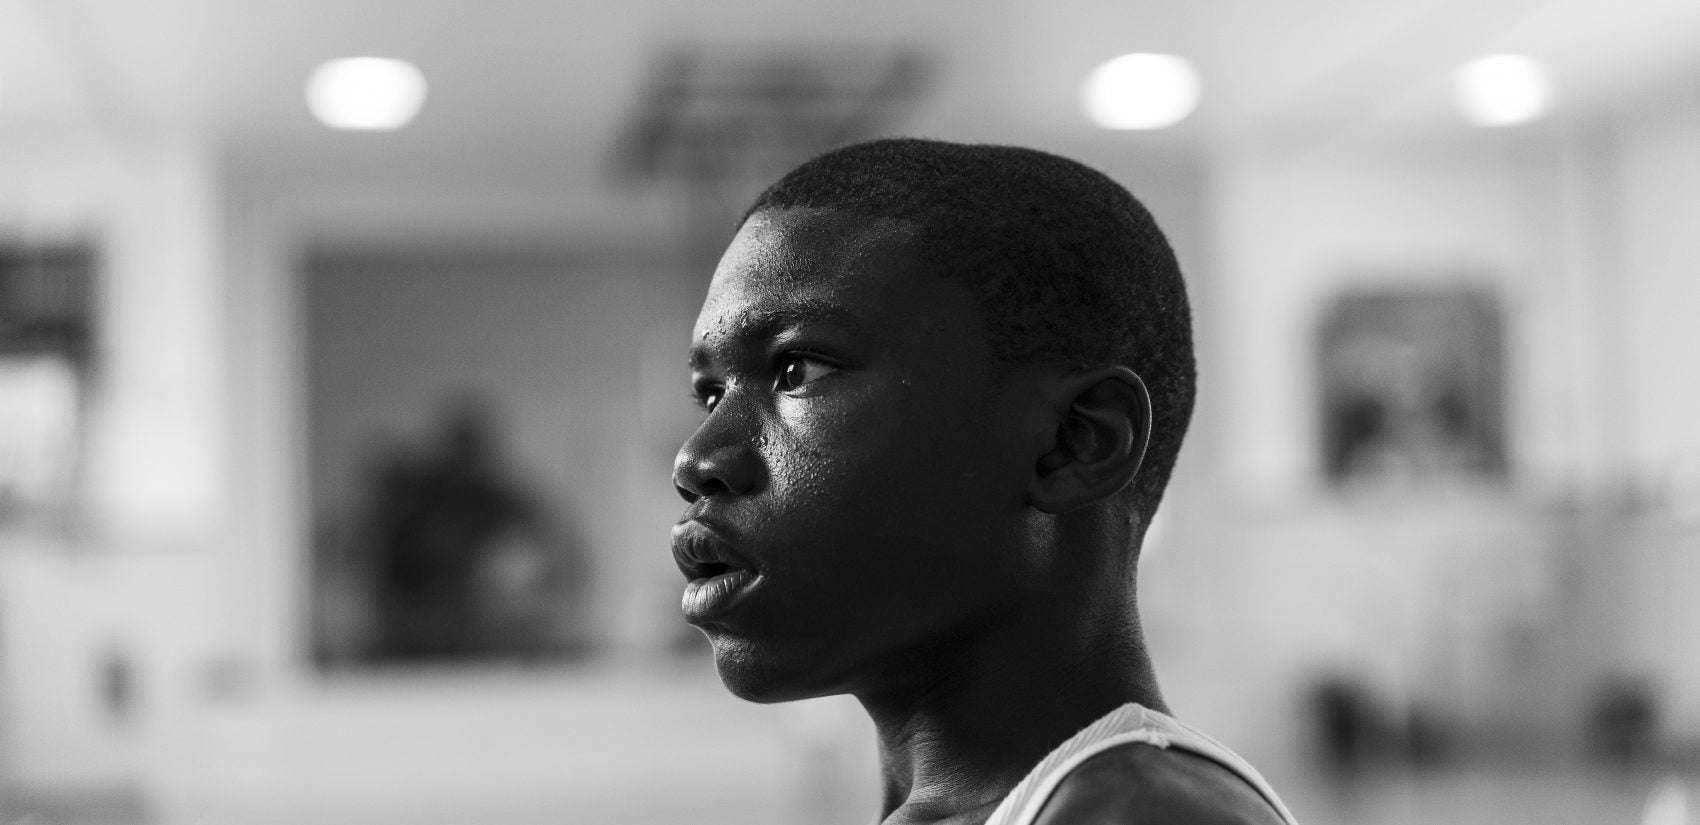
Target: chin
pixel 754 676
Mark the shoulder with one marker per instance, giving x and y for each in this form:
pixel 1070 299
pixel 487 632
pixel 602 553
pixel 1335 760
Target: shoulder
pixel 1136 784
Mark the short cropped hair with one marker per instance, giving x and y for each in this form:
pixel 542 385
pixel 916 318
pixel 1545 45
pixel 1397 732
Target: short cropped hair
pixel 1067 266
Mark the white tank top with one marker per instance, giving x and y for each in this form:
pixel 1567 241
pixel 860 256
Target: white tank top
pixel 1128 723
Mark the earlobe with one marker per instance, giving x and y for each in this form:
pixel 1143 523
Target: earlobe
pixel 1102 428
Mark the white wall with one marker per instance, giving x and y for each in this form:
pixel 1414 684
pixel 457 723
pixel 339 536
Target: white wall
pixel 1295 228
pixel 1445 597
pixel 1659 203
pixel 1505 607
pixel 128 585
pixel 1658 199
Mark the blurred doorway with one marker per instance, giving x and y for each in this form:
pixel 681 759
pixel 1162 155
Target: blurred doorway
pixel 464 410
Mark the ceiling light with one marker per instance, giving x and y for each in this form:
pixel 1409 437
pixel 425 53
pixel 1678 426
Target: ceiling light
pixel 1141 91
pixel 366 93
pixel 1503 89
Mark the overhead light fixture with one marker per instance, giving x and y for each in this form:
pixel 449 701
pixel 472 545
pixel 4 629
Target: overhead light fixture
pixel 1141 91
pixel 366 93
pixel 1503 89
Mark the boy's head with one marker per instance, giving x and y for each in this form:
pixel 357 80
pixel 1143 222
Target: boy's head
pixel 1063 262
pixel 921 365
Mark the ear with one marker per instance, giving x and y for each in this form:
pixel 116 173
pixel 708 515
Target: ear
pixel 1103 424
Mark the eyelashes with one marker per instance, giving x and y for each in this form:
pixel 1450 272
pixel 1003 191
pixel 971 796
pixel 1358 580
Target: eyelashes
pixel 705 399
pixel 792 371
pixel 799 369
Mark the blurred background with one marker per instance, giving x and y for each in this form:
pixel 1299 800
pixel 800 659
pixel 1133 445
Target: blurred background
pixel 338 397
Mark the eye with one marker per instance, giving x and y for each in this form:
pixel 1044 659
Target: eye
pixel 706 395
pixel 796 370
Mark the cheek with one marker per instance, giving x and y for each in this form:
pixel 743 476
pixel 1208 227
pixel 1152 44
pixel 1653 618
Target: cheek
pixel 872 469
pixel 821 449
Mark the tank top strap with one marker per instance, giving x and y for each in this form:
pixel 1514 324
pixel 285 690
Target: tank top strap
pixel 1130 723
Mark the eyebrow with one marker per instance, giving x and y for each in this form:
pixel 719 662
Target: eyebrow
pixel 763 325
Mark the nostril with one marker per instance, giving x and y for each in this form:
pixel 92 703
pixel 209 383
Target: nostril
pixel 729 470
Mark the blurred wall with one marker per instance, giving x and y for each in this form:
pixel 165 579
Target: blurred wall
pixel 1498 609
pixel 1659 252
pixel 1270 580
pixel 1659 258
pixel 103 626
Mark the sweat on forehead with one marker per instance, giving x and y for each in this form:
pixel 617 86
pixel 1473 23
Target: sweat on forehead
pixel 792 245
pixel 795 267
pixel 762 324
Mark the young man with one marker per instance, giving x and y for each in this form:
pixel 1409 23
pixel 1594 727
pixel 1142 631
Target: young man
pixel 944 387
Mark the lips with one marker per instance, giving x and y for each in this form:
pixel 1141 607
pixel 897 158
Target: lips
pixel 719 576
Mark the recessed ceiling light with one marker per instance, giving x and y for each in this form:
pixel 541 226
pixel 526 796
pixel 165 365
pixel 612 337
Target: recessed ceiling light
pixel 1502 89
pixel 1141 91
pixel 366 93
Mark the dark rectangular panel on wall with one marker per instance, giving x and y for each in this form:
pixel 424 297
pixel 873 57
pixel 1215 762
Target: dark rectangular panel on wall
pixel 46 346
pixel 473 416
pixel 1412 383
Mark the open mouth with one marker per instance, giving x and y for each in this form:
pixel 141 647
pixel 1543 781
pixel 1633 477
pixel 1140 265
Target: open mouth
pixel 701 554
pixel 718 575
pixel 709 570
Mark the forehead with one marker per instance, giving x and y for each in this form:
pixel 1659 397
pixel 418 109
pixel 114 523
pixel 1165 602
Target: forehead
pixel 817 264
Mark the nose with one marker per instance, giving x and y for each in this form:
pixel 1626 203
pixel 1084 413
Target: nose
pixel 717 460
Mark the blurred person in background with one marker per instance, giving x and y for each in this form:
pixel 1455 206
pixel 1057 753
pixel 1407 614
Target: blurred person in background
pixel 466 563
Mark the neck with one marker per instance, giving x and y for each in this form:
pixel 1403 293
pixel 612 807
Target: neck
pixel 960 733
